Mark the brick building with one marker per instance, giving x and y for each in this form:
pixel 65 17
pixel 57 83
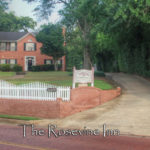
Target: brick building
pixel 22 48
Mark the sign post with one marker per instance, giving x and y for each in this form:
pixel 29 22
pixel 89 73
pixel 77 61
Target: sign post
pixel 83 76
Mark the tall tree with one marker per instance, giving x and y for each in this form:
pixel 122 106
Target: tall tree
pixel 51 37
pixel 80 13
pixel 127 23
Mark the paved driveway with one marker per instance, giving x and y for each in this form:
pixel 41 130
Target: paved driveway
pixel 130 113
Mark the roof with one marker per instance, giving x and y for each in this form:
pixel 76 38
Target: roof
pixel 12 36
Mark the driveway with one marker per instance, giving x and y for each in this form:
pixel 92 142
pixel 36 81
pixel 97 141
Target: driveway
pixel 129 113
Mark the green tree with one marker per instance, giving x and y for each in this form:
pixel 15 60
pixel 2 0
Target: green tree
pixel 76 13
pixel 115 34
pixel 74 56
pixel 127 23
pixel 11 23
pixel 51 37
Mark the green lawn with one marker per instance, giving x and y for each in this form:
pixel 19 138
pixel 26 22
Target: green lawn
pixel 6 74
pixel 56 78
pixel 18 117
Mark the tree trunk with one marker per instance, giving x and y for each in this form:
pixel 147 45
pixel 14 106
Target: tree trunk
pixel 55 65
pixel 85 29
pixel 87 61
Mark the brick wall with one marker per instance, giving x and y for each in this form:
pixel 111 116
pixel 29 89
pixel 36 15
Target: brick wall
pixel 82 98
pixel 43 109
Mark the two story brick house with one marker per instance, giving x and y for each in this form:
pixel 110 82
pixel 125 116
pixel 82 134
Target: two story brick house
pixel 22 48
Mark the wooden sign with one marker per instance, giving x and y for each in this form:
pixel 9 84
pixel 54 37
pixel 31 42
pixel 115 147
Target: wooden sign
pixel 83 76
pixel 51 89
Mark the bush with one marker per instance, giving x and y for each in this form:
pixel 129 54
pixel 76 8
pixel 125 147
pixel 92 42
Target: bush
pixel 43 68
pixel 17 68
pixel 59 67
pixel 5 67
pixel 99 74
pixel 10 67
pixel 35 68
pixel 69 69
pixel 47 67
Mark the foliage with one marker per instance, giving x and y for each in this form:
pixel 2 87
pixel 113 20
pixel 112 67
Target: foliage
pixel 5 67
pixel 11 23
pixel 10 67
pixel 99 74
pixel 127 26
pixel 42 68
pixel 75 14
pixel 74 56
pixel 17 68
pixel 51 37
pixel 113 34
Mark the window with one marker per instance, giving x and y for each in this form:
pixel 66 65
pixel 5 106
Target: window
pixel 13 47
pixel 12 61
pixel 48 61
pixel 2 46
pixel 3 61
pixel 29 46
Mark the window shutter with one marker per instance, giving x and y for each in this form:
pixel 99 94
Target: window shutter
pixel 45 61
pixel 8 46
pixel 5 46
pixel 24 46
pixel 15 61
pixel 16 46
pixel 6 61
pixel 35 46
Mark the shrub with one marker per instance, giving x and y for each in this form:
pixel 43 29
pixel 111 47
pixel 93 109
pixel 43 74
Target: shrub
pixel 17 68
pixel 5 67
pixel 99 73
pixel 35 68
pixel 59 67
pixel 47 67
pixel 43 68
pixel 69 69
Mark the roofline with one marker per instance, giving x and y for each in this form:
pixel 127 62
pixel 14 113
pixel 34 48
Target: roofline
pixel 18 39
pixel 25 36
pixel 8 40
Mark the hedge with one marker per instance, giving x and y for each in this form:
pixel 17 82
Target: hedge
pixel 42 68
pixel 10 67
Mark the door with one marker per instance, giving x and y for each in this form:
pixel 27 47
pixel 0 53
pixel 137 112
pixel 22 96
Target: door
pixel 30 63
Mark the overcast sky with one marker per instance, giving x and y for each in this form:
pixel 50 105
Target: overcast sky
pixel 22 8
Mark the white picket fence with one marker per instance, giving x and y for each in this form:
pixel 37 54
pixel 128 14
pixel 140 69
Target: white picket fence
pixel 33 91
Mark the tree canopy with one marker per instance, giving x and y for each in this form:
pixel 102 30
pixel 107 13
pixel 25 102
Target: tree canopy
pixel 10 23
pixel 113 34
pixel 51 37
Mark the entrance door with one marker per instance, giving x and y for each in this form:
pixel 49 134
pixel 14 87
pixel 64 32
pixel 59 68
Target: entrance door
pixel 30 63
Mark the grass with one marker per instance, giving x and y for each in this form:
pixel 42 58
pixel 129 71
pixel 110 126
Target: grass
pixel 103 85
pixel 56 78
pixel 18 117
pixel 7 74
